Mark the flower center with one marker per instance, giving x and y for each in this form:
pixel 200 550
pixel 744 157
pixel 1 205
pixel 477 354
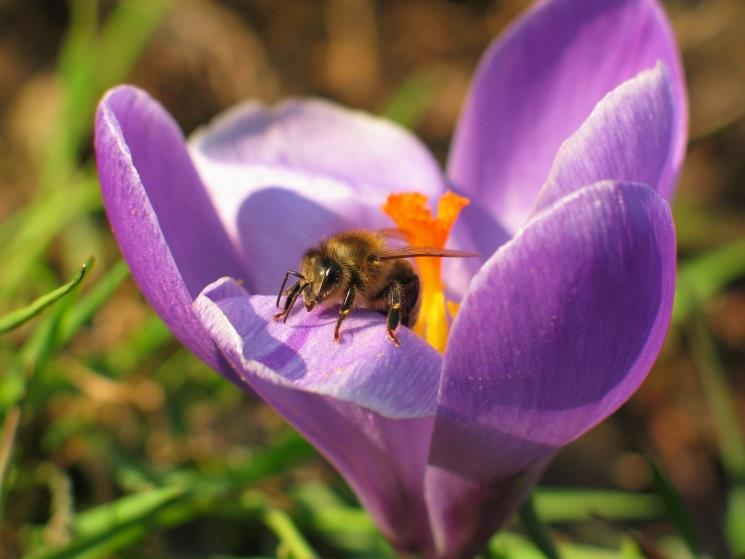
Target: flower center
pixel 415 220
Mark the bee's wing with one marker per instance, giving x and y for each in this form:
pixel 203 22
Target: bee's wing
pixel 393 253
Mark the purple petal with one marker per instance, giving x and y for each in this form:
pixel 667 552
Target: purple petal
pixel 365 403
pixel 285 178
pixel 274 219
pixel 364 368
pixel 539 82
pixel 557 331
pixel 320 138
pixel 476 230
pixel 466 513
pixel 161 216
pixel 628 137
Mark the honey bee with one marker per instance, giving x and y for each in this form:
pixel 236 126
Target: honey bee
pixel 358 267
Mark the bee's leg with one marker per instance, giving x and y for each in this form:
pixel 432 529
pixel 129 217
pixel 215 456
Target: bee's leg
pixel 292 295
pixel 394 311
pixel 345 309
pixel 284 282
pixel 409 300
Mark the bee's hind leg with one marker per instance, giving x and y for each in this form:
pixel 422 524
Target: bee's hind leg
pixel 393 318
pixel 345 309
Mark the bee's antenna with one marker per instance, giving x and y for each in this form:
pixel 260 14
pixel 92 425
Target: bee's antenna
pixel 284 282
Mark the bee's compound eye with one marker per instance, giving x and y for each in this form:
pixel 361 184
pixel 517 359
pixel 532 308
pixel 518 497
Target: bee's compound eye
pixel 334 273
pixel 331 273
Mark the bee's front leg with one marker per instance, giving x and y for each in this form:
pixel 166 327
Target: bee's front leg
pixel 292 295
pixel 394 312
pixel 345 309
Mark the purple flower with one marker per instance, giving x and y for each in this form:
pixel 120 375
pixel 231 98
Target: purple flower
pixel 568 147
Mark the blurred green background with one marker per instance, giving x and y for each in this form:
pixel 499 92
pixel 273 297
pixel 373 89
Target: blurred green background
pixel 115 442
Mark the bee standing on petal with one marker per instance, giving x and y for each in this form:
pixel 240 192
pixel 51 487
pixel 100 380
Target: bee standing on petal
pixel 357 267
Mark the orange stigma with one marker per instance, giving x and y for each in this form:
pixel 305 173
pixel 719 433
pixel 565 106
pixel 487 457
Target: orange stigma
pixel 415 220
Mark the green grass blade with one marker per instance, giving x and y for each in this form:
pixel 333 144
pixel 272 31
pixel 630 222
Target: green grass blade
pixel 51 335
pixel 89 64
pixel 412 100
pixel 98 532
pixel 29 359
pixel 539 532
pixel 719 399
pixel 14 384
pixel 675 509
pixel 289 451
pixel 112 527
pixel 730 436
pixel 142 344
pixel 125 34
pixel 735 520
pixel 124 510
pixel 106 547
pixel 348 528
pixel 76 72
pixel 42 221
pixel 15 319
pixel 93 300
pixel 703 277
pixel 292 543
pixel 572 505
pixel 7 442
pixel 507 545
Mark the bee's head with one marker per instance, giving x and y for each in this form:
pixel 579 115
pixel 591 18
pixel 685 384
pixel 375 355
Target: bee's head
pixel 323 275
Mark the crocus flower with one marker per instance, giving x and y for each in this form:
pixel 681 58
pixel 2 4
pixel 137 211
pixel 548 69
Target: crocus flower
pixel 568 149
